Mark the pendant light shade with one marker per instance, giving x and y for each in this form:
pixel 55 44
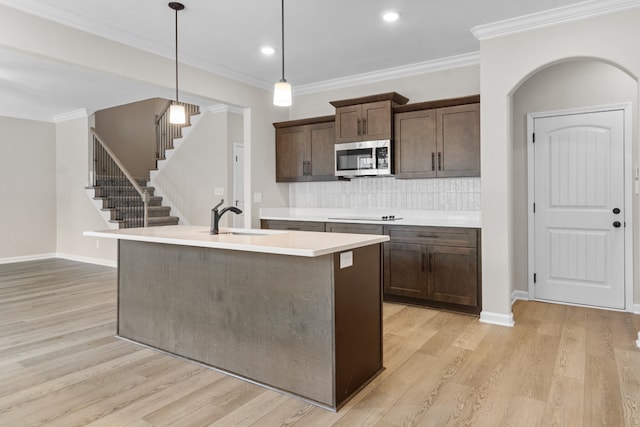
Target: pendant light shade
pixel 282 94
pixel 177 113
pixel 282 89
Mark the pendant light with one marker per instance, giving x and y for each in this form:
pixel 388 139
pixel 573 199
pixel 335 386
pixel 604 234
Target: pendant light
pixel 282 89
pixel 177 114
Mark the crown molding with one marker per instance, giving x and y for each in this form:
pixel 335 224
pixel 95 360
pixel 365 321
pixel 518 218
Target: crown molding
pixel 463 60
pixel 20 116
pixel 223 108
pixel 550 17
pixel 70 115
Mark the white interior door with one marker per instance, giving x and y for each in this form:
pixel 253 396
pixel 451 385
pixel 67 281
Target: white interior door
pixel 579 215
pixel 238 183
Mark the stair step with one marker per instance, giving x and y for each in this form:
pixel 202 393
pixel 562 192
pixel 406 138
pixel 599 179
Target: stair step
pixel 127 201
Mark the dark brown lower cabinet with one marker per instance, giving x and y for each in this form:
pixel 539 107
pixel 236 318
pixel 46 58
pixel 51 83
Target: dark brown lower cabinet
pixel 453 275
pixel 433 266
pixel 276 224
pixel 404 270
pixel 429 266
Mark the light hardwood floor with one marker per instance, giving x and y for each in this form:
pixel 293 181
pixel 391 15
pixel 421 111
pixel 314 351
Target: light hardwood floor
pixel 60 365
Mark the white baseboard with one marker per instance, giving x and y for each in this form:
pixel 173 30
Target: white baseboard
pixel 519 295
pixel 36 257
pixel 88 260
pixel 497 318
pixel 636 309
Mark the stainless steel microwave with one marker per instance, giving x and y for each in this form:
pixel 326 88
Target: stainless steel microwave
pixel 364 158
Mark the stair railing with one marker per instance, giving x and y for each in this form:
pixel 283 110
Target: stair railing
pixel 104 163
pixel 166 132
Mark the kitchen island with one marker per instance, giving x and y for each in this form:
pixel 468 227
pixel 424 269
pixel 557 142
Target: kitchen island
pixel 299 312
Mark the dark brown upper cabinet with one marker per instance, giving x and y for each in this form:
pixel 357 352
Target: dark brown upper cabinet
pixel 438 139
pixel 305 150
pixel 367 118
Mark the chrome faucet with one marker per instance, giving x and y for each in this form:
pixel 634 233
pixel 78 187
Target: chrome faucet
pixel 215 216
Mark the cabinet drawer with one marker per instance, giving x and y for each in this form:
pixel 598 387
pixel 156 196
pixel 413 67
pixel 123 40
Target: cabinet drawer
pixel 340 227
pixel 445 236
pixel 275 224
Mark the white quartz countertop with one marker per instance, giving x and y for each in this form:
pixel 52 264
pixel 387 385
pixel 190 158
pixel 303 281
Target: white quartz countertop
pixel 297 243
pixel 467 219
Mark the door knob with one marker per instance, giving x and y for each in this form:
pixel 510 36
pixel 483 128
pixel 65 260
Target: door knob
pixel 616 224
pixel 616 211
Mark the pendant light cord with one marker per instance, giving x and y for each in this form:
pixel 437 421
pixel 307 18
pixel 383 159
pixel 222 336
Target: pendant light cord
pixel 282 21
pixel 177 54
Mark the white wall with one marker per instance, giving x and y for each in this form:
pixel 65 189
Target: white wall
pixel 28 189
pixel 76 212
pixel 506 62
pixel 572 84
pixel 197 168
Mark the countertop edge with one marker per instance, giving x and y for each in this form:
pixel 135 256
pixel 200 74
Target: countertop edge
pixel 246 247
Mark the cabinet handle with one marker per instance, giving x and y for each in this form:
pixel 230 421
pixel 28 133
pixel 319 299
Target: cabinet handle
pixel 430 262
pixel 309 167
pixel 304 168
pixel 427 236
pixel 364 126
pixel 359 127
pixel 439 161
pixel 423 263
pixel 433 161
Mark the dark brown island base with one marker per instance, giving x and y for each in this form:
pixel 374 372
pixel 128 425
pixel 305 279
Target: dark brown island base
pixel 298 312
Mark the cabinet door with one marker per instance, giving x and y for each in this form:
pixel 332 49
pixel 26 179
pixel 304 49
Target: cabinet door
pixel 291 153
pixel 376 120
pixel 404 270
pixel 348 123
pixel 275 224
pixel 322 137
pixel 459 141
pixel 453 275
pixel 415 144
pixel 352 228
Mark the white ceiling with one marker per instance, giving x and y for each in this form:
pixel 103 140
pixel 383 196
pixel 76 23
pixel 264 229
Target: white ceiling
pixel 325 40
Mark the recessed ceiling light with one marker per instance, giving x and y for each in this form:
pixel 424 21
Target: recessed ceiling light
pixel 267 50
pixel 390 16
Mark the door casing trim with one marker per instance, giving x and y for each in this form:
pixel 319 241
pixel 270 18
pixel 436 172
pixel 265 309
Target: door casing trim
pixel 628 193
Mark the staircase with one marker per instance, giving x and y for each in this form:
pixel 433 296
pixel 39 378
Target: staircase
pixel 125 201
pixel 124 206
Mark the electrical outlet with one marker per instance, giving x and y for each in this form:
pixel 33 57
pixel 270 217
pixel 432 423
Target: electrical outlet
pixel 97 244
pixel 218 191
pixel 257 197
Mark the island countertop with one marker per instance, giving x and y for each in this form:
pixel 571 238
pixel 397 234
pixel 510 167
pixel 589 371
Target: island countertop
pixel 297 243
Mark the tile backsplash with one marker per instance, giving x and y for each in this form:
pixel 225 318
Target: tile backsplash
pixel 452 194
